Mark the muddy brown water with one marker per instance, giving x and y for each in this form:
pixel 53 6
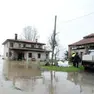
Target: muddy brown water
pixel 20 78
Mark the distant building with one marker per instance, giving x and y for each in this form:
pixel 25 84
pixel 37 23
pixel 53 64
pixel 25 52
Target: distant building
pixel 82 46
pixel 16 49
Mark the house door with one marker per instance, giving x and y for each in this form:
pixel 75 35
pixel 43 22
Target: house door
pixel 20 56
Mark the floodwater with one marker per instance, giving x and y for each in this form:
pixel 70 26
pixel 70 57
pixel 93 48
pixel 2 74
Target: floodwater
pixel 18 78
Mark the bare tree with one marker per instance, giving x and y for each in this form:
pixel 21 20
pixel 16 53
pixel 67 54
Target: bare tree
pixel 52 41
pixel 57 50
pixel 66 55
pixel 30 33
pixel 56 45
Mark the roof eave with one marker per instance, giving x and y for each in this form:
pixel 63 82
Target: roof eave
pixel 5 42
pixel 21 41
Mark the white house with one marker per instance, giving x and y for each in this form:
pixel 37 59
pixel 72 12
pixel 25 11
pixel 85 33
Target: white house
pixel 16 49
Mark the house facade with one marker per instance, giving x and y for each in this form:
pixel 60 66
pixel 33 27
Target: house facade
pixel 15 49
pixel 82 46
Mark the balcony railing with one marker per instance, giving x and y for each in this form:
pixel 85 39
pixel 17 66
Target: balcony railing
pixel 26 46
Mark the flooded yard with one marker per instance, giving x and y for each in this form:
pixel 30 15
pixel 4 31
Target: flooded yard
pixel 19 78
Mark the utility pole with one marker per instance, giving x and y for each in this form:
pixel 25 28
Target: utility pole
pixel 54 34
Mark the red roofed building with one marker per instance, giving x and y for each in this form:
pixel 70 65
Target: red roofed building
pixel 24 50
pixel 82 46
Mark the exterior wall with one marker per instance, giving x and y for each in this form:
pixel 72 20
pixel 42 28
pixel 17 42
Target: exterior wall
pixel 82 50
pixel 79 51
pixel 16 45
pixel 15 54
pixel 6 50
pixel 43 56
pixel 36 46
pixel 35 55
pixel 26 56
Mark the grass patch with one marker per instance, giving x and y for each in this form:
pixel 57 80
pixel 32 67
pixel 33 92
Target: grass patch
pixel 64 69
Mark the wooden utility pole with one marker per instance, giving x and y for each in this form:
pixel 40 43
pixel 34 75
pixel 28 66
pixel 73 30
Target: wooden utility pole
pixel 54 34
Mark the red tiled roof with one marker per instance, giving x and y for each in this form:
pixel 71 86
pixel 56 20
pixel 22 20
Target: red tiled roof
pixel 83 41
pixel 86 40
pixel 22 41
pixel 88 36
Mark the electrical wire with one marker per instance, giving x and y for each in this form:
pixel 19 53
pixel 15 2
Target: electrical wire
pixel 79 17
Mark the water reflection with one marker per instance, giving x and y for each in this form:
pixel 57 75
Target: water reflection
pixel 84 80
pixel 30 79
pixel 23 77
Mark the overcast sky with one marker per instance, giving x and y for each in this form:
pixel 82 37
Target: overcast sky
pixel 17 14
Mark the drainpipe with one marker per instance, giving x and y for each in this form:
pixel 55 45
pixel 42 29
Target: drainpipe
pixel 27 60
pixel 69 51
pixel 27 56
pixel 86 49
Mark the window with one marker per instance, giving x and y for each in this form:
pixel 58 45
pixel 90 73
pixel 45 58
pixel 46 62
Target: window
pixel 30 55
pixel 19 45
pixel 32 46
pixel 40 46
pixel 11 44
pixel 46 56
pixel 6 54
pixel 39 55
pixel 24 45
pixel 10 54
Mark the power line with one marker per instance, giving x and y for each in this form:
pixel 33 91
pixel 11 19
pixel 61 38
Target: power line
pixel 79 17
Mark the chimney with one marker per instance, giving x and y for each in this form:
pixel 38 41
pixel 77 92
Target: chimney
pixel 15 36
pixel 36 40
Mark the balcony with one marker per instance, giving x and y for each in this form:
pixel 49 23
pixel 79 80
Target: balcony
pixel 26 46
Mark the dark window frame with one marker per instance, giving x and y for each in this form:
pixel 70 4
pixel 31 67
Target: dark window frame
pixel 30 55
pixel 11 44
pixel 32 46
pixel 39 55
pixel 19 45
pixel 10 54
pixel 40 46
pixel 47 56
pixel 6 54
pixel 24 45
